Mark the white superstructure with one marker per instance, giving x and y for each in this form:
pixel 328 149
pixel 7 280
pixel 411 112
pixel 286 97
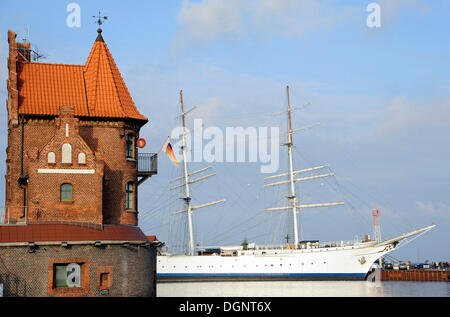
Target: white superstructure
pixel 300 260
pixel 313 261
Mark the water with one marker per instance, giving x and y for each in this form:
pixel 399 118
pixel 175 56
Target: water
pixel 305 289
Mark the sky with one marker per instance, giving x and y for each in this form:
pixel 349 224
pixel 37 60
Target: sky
pixel 381 96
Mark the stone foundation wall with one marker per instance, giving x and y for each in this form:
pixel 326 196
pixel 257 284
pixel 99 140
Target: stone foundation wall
pixel 106 270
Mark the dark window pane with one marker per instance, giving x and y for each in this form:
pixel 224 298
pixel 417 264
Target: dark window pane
pixel 66 192
pixel 61 275
pixel 130 146
pixel 130 196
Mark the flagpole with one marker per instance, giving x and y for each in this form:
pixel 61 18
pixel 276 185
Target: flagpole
pixel 168 138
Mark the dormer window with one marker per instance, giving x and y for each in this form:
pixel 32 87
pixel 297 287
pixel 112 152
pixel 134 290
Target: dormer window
pixel 66 153
pixel 130 151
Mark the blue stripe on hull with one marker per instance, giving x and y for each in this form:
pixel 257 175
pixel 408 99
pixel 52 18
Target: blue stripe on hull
pixel 261 274
pixel 184 277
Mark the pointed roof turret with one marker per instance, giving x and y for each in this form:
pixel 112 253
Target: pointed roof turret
pixel 106 91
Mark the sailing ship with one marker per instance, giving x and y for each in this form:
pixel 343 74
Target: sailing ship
pixel 302 260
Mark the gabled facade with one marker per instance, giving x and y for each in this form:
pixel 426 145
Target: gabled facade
pixel 65 177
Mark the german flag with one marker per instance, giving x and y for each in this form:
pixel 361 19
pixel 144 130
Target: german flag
pixel 169 151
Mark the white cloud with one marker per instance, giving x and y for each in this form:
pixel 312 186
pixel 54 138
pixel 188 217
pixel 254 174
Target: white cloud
pixel 438 210
pixel 403 114
pixel 363 119
pixel 294 18
pixel 210 20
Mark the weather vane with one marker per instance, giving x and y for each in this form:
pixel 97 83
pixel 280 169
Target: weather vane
pixel 99 20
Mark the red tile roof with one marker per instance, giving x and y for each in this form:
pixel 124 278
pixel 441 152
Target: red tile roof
pixel 95 89
pixel 60 232
pixel 43 88
pixel 152 238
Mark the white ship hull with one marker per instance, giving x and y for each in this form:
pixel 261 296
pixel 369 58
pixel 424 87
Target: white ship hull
pixel 336 263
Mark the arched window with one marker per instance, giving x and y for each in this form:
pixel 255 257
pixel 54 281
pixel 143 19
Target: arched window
pixel 66 153
pixel 66 192
pixel 129 201
pixel 51 157
pixel 130 146
pixel 81 158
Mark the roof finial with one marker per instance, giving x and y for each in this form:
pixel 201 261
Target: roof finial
pixel 99 20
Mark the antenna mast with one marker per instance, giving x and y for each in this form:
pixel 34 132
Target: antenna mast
pixel 376 225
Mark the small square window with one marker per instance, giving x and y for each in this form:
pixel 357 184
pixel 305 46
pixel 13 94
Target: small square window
pixel 105 277
pixel 67 275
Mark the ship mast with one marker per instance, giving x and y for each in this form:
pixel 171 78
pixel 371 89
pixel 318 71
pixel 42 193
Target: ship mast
pixel 187 181
pixel 292 197
pixel 292 173
pixel 187 198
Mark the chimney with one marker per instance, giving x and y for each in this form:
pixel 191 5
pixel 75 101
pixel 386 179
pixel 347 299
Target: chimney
pixel 12 103
pixel 20 51
pixel 23 52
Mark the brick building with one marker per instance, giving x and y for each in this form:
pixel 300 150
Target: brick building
pixel 72 177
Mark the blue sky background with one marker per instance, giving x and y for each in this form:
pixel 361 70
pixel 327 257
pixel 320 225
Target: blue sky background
pixel 382 96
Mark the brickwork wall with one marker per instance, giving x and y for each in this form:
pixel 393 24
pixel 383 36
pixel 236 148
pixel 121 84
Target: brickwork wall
pixel 105 138
pixel 37 133
pixel 131 270
pixel 109 139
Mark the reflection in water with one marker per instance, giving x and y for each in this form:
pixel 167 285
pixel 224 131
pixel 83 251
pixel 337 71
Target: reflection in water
pixel 304 289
